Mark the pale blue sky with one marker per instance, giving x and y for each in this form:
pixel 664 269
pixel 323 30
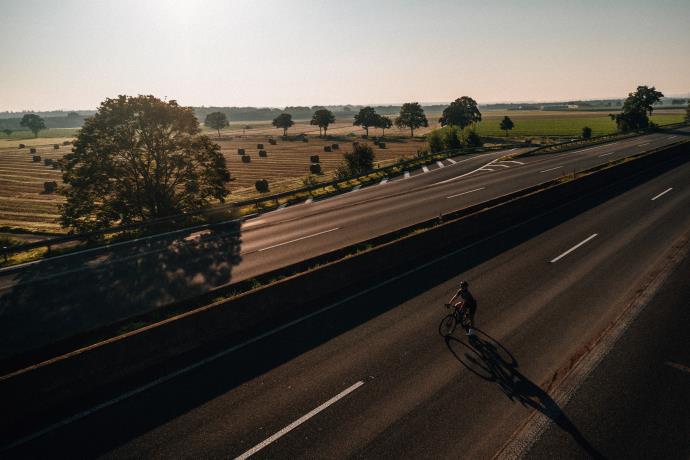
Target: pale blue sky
pixel 75 53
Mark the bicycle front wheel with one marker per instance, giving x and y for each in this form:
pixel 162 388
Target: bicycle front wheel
pixel 447 326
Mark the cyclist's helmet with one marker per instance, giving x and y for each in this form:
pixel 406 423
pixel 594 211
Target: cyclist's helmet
pixel 464 285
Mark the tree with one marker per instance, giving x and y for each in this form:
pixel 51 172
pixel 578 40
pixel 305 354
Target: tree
pixel 322 118
pixel 507 124
pixel 384 123
pixel 366 117
pixel 411 116
pixel 470 138
pixel 359 161
pixel 140 158
pixel 636 109
pixel 33 122
pixel 451 138
pixel 586 132
pixel 435 141
pixel 461 112
pixel 687 112
pixel 217 121
pixel 8 132
pixel 284 120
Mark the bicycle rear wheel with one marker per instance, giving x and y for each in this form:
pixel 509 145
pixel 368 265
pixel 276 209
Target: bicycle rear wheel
pixel 447 325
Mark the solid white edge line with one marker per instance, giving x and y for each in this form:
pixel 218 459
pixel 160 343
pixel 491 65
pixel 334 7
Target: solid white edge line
pixel 299 421
pixel 642 145
pixel 298 239
pixel 594 235
pixel 227 351
pixel 551 169
pixel 465 193
pixel 662 193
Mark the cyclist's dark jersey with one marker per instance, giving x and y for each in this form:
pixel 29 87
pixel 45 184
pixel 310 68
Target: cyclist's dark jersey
pixel 470 302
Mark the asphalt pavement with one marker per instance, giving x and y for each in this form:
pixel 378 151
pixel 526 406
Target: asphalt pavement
pixel 373 378
pixel 636 404
pixel 55 299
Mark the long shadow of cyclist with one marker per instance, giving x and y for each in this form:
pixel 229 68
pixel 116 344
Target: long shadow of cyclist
pixel 487 358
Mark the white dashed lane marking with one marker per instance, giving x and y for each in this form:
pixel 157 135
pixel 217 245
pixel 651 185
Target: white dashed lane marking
pixel 662 193
pixel 591 237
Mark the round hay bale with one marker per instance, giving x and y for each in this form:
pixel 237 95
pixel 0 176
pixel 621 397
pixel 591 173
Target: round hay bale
pixel 32 150
pixel 315 168
pixel 36 158
pixel 263 154
pixel 56 146
pixel 21 146
pixel 47 162
pixel 382 145
pixel 50 186
pixel 246 159
pixel 327 148
pixel 272 141
pixel 314 158
pixel 260 146
pixel 240 151
pixel 335 146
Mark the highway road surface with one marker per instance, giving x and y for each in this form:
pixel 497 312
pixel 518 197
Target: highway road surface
pixel 636 403
pixel 56 298
pixel 373 378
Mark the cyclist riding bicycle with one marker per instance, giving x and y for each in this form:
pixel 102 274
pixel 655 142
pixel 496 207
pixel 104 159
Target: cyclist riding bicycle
pixel 466 300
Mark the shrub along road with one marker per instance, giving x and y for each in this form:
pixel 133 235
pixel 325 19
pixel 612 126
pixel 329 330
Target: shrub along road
pixel 54 299
pixel 373 378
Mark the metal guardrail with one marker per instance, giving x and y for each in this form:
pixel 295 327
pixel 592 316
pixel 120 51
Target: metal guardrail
pixel 600 140
pixel 172 221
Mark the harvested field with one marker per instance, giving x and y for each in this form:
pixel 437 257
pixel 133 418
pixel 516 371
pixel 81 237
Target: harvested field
pixel 23 205
pixel 22 201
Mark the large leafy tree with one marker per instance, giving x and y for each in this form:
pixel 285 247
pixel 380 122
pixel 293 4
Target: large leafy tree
pixel 140 158
pixel 366 118
pixel 507 124
pixel 322 118
pixel 411 116
pixel 217 121
pixel 33 123
pixel 384 123
pixel 461 112
pixel 284 121
pixel 636 109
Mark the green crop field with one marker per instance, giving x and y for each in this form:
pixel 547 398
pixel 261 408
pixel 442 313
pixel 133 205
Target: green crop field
pixel 537 124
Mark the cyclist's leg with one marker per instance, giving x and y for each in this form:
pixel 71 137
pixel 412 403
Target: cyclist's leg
pixel 470 316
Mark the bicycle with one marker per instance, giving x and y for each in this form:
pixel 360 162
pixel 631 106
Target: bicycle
pixel 450 322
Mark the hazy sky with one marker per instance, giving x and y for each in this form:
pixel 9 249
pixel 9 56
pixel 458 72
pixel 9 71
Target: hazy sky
pixel 74 53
